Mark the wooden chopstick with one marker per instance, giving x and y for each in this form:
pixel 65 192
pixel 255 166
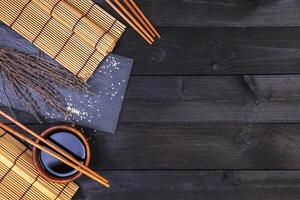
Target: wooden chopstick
pixel 145 18
pixel 132 24
pixel 133 19
pixel 53 146
pixel 52 153
pixel 132 9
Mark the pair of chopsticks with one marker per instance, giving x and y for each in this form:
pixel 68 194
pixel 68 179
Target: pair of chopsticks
pixel 55 151
pixel 135 18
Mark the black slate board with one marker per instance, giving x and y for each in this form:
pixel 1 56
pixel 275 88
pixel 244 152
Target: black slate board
pixel 99 111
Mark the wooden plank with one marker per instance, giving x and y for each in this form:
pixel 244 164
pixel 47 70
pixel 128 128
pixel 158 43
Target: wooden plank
pixel 237 88
pixel 210 99
pixel 196 146
pixel 213 99
pixel 223 13
pixel 216 88
pixel 195 51
pixel 178 185
pixel 210 112
pixel 199 146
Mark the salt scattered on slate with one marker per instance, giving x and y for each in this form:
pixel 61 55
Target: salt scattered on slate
pixel 91 109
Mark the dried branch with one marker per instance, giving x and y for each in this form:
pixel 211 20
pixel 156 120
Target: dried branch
pixel 28 73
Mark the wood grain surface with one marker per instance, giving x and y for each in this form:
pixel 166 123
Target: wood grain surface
pixel 212 110
pixel 216 50
pixel 221 13
pixel 178 185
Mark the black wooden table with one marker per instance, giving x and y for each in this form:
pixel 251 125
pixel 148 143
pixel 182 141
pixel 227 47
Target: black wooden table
pixel 212 110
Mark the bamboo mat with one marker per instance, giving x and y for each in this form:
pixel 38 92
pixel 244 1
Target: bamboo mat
pixel 77 34
pixel 20 180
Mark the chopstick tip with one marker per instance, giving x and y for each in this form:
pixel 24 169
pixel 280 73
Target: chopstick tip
pixel 107 185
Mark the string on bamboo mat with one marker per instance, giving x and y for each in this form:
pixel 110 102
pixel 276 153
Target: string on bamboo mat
pixel 20 180
pixel 27 73
pixel 77 34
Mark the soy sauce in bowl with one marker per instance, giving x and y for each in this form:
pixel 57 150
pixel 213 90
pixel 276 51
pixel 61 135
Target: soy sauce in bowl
pixel 69 140
pixel 69 143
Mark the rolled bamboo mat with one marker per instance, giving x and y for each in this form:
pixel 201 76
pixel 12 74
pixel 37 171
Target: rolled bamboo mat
pixel 77 34
pixel 20 180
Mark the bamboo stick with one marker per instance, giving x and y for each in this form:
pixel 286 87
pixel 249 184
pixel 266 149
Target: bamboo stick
pixel 133 19
pixel 137 15
pixel 145 18
pixel 130 22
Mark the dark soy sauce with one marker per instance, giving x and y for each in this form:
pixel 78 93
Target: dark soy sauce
pixel 69 143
